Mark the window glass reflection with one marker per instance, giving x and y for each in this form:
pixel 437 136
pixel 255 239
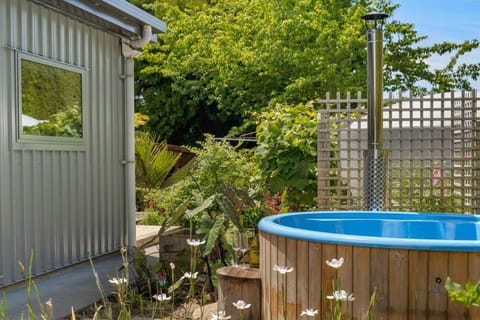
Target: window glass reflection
pixel 51 101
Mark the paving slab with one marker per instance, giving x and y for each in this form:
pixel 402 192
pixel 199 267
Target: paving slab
pixel 74 286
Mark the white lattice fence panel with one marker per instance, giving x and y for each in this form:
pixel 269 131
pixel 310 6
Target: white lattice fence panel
pixel 432 145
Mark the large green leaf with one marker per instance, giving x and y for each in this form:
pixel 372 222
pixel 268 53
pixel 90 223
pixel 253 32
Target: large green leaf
pixel 153 161
pixel 241 199
pixel 179 174
pixel 211 230
pixel 206 204
pixel 226 206
pixel 178 214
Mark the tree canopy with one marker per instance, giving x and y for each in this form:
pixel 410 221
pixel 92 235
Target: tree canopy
pixel 222 61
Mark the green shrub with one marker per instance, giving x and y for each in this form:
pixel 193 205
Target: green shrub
pixel 217 164
pixel 287 153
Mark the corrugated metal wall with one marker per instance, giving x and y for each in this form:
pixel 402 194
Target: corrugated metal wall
pixel 62 205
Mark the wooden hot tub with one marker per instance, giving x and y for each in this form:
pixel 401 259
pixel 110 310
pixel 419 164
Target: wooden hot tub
pixel 405 256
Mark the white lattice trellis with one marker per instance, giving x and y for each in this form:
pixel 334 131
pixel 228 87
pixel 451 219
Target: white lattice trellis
pixel 432 145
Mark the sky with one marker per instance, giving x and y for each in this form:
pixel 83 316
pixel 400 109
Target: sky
pixel 443 20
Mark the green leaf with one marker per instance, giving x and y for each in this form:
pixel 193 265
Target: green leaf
pixel 153 161
pixel 156 268
pixel 214 234
pixel 229 210
pixel 178 214
pixel 467 296
pixel 288 153
pixel 139 261
pixel 176 285
pixel 206 204
pixel 179 174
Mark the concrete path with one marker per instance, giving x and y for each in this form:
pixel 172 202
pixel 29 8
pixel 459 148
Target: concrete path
pixel 74 286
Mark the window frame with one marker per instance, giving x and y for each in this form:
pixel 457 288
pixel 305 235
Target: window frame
pixel 38 142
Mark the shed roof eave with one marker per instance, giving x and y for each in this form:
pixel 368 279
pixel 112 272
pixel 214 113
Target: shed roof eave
pixel 126 7
pixel 117 15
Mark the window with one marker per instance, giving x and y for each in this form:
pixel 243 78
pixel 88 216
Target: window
pixel 50 101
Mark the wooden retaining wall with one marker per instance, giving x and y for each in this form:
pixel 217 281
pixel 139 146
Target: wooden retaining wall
pixel 409 283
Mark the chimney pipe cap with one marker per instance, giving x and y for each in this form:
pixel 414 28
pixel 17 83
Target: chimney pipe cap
pixel 374 16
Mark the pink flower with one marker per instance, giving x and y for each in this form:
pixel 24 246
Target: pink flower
pixel 437 174
pixel 151 203
pixel 273 203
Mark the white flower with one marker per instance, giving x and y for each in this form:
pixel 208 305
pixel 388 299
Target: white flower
pixel 220 315
pixel 341 295
pixel 190 275
pixel 49 303
pixel 162 297
pixel 172 265
pixel 195 242
pixel 282 269
pixel 309 313
pixel 334 263
pixel 117 281
pixel 240 305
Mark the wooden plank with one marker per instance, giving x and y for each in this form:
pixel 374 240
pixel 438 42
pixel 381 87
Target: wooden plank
pixel 345 272
pixel 418 284
pixel 458 272
pixel 345 276
pixel 281 285
pixel 274 288
pixel 291 278
pixel 437 295
pixel 361 281
pixel 398 284
pixel 379 279
pixel 265 270
pixel 474 276
pixel 315 272
pixel 302 273
pixel 329 276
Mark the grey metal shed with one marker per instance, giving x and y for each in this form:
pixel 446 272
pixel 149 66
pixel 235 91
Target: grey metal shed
pixel 66 130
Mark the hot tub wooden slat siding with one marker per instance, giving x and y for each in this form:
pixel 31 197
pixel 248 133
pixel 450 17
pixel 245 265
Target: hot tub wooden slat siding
pixel 303 268
pixel 409 283
pixel 474 275
pixel 291 259
pixel 378 274
pixel 437 299
pixel 265 263
pixel 418 282
pixel 457 263
pixel 273 276
pixel 345 274
pixel 314 275
pixel 397 290
pixel 361 283
pixel 328 251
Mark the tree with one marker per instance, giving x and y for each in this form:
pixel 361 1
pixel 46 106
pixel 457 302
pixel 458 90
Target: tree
pixel 221 62
pixel 406 62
